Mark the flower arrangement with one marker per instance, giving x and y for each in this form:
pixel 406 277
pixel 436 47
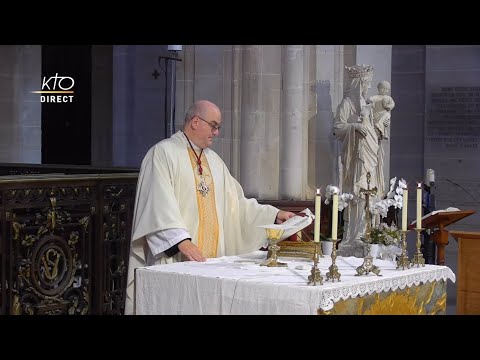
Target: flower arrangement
pixel 393 198
pixel 343 198
pixel 388 236
pixel 385 235
pixel 388 240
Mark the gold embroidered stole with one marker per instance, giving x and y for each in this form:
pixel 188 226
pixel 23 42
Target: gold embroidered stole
pixel 207 211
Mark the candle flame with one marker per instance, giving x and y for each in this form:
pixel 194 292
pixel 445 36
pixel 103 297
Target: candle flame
pixel 318 191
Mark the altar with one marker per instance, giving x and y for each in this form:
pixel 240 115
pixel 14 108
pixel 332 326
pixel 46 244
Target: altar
pixel 239 285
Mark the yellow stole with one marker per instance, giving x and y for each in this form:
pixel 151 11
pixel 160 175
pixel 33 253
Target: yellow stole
pixel 207 211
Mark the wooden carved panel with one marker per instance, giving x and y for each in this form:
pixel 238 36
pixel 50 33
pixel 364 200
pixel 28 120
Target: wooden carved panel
pixel 116 218
pixel 64 243
pixel 49 246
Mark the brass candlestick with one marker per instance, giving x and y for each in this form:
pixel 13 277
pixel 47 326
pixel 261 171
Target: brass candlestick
pixel 367 266
pixel 320 251
pixel 273 235
pixel 418 257
pixel 315 275
pixel 333 269
pixel 402 260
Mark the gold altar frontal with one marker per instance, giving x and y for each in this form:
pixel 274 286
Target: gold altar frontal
pixel 423 299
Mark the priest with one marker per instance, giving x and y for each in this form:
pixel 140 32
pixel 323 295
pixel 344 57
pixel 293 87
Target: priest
pixel 188 206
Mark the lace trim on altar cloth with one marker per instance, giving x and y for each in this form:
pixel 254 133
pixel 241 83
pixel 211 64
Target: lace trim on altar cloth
pixel 331 296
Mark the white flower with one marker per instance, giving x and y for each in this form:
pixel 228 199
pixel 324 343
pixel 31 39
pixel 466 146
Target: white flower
pixel 393 198
pixel 380 207
pixel 392 183
pixel 343 198
pixel 402 183
pixel 391 193
pixel 390 202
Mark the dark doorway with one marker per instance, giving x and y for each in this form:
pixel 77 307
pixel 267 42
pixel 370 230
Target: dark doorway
pixel 66 117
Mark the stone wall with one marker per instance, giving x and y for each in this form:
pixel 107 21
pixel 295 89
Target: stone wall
pixel 20 110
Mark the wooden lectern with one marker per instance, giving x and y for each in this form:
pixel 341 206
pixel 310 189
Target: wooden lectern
pixel 437 223
pixel 468 279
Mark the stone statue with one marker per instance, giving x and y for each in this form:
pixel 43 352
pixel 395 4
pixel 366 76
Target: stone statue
pixel 361 152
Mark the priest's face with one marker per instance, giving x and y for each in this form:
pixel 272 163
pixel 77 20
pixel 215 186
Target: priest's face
pixel 209 128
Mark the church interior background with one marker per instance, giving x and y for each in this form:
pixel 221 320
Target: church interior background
pixel 278 104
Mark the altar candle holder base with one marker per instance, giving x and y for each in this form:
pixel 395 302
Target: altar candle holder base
pixel 333 273
pixel 273 260
pixel 315 275
pixel 418 258
pixel 367 266
pixel 402 261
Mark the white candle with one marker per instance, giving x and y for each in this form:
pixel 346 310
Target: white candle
pixel 404 209
pixel 419 205
pixel 318 208
pixel 334 216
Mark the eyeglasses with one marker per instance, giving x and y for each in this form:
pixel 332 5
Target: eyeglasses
pixel 214 127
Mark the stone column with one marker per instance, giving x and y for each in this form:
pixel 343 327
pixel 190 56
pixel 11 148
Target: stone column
pixel 271 82
pixel 323 146
pixel 255 118
pixel 292 153
pixel 252 119
pixel 123 101
pixel 101 126
pixel 236 109
pixel 310 116
pixel 20 110
pixel 184 85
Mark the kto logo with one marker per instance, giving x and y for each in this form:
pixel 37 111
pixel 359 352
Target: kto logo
pixel 56 85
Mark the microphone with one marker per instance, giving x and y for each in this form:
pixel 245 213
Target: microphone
pixel 461 187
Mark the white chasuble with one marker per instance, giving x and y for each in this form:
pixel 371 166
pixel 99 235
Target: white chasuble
pixel 224 222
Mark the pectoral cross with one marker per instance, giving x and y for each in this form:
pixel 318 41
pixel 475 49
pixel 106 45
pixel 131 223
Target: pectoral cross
pixel 368 216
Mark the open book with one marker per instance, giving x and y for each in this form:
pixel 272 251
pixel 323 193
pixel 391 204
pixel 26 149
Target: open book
pixel 449 209
pixel 294 224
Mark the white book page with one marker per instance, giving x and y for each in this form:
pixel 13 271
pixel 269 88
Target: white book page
pixel 292 225
pixel 449 209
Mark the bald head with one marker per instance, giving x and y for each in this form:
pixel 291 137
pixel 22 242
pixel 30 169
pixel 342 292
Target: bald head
pixel 202 123
pixel 202 108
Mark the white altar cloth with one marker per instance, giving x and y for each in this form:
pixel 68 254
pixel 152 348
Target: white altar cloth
pixel 239 285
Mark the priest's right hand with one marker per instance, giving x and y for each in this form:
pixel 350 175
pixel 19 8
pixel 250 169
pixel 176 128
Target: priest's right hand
pixel 190 251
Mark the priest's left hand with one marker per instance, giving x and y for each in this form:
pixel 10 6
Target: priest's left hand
pixel 190 251
pixel 282 216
